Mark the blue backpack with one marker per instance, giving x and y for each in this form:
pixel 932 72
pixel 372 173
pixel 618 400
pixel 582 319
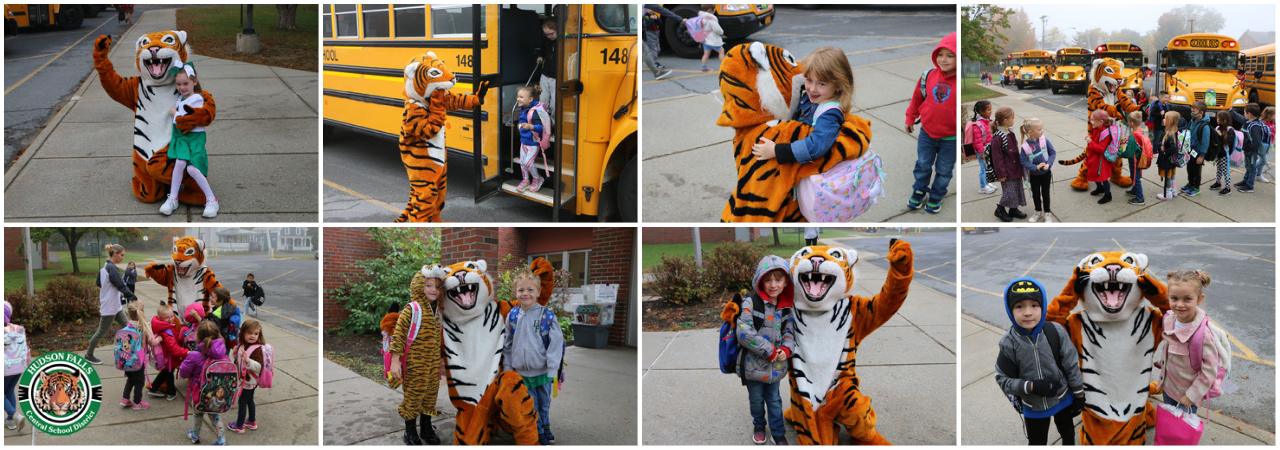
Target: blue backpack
pixel 729 348
pixel 548 320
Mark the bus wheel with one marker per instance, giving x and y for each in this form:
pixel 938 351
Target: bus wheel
pixel 71 18
pixel 677 35
pixel 627 192
pixel 1253 96
pixel 1055 90
pixel 92 10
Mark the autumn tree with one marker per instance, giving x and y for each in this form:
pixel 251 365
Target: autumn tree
pixel 982 33
pixel 73 235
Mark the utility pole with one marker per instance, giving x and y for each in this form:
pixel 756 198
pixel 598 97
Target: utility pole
pixel 1043 21
pixel 697 246
pixel 1192 27
pixel 26 242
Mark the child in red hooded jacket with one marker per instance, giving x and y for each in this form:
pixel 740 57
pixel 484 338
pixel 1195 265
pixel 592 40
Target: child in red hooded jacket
pixel 165 326
pixel 933 105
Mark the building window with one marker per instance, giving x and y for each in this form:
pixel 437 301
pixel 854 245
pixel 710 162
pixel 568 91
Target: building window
pixel 453 21
pixel 574 260
pixel 348 22
pixel 411 21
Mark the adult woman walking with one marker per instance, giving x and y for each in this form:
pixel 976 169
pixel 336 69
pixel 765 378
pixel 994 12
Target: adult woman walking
pixel 112 295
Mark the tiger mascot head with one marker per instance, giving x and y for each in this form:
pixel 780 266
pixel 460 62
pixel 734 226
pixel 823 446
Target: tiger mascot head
pixel 1107 75
pixel 157 52
pixel 188 256
pixel 425 75
pixel 1112 284
pixel 760 83
pixel 60 393
pixel 822 275
pixel 467 288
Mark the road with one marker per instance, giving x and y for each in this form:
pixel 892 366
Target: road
pixel 1240 260
pixel 935 257
pixel 290 286
pixel 56 61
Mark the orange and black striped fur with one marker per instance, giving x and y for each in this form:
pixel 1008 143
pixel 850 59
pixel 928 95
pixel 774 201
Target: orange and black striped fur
pixel 761 84
pixel 1116 341
pixel 150 96
pixel 427 82
pixel 188 279
pixel 1105 94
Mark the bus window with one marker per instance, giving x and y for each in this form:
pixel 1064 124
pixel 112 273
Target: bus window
pixel 347 21
pixel 1200 59
pixel 328 22
pixel 618 18
pixel 452 21
pixel 411 21
pixel 377 22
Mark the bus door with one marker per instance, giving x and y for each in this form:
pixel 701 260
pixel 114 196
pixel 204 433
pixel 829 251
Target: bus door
pixel 475 66
pixel 565 117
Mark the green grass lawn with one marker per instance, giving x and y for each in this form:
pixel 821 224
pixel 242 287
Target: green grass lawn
pixel 213 32
pixel 971 90
pixel 16 279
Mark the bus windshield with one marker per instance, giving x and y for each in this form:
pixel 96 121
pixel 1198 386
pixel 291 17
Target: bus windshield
pixel 1202 59
pixel 1013 62
pixel 1037 61
pixel 1131 60
pixel 1075 60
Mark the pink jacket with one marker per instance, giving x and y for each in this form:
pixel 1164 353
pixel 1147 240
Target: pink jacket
pixel 1178 377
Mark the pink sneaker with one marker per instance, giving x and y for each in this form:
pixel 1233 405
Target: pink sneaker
pixel 124 402
pixel 141 405
pixel 537 184
pixel 524 184
pixel 251 425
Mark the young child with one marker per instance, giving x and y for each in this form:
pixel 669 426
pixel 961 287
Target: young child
pixel 250 290
pixel 186 148
pixel 130 276
pixel 828 82
pixel 250 335
pixel 1008 166
pixel 1168 161
pixel 549 63
pixel 223 311
pixel 1184 387
pixel 531 132
pixel 136 380
pixel 210 347
pixel 1200 127
pixel 1037 157
pixel 1258 136
pixel 1155 115
pixel 168 332
pixel 981 136
pixel 422 370
pixel 1227 137
pixel 762 360
pixel 15 362
pixel 1102 136
pixel 715 34
pixel 534 348
pixel 1268 118
pixel 934 107
pixel 1027 369
pixel 1138 138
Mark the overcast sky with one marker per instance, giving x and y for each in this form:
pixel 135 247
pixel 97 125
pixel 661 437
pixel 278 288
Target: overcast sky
pixel 1142 18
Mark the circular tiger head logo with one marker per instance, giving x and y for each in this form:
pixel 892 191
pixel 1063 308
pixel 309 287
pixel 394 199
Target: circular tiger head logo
pixel 59 393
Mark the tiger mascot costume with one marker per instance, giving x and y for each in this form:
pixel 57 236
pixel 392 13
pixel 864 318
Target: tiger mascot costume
pixel 1105 94
pixel 150 97
pixel 427 81
pixel 474 332
pixel 188 279
pixel 1116 337
pixel 761 85
pixel 829 326
pixel 422 365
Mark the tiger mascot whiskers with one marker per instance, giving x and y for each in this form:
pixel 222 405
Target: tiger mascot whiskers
pixel 187 278
pixel 474 332
pixel 761 85
pixel 1116 337
pixel 1105 94
pixel 60 393
pixel 427 81
pixel 150 97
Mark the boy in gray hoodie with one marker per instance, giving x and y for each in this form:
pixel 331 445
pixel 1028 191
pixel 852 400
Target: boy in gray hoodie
pixel 766 340
pixel 534 348
pixel 1035 373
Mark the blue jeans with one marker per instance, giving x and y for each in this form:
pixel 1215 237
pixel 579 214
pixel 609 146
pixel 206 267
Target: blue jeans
pixel 934 156
pixel 1170 401
pixel 1136 174
pixel 765 396
pixel 542 402
pixel 10 399
pixel 1250 170
pixel 1261 166
pixel 982 172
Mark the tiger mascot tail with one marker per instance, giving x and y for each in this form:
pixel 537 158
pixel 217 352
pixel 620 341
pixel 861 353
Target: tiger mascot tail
pixel 761 84
pixel 150 97
pixel 1116 337
pixel 474 332
pixel 1105 94
pixel 427 81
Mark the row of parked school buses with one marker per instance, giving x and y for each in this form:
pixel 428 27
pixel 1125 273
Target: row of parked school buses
pixel 1202 66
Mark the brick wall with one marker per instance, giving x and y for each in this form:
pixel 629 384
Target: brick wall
pixel 343 248
pixel 612 255
pixel 13 240
pixel 684 235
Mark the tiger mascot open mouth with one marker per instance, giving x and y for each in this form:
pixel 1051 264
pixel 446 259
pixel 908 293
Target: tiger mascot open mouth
pixel 820 271
pixel 1109 283
pixel 462 286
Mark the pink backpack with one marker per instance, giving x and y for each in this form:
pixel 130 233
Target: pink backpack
pixel 544 140
pixel 16 350
pixel 408 341
pixel 696 28
pixel 130 353
pixel 268 365
pixel 844 192
pixel 158 358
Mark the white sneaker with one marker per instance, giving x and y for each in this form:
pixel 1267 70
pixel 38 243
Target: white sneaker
pixel 1263 178
pixel 169 205
pixel 210 209
pixel 1050 218
pixel 1035 217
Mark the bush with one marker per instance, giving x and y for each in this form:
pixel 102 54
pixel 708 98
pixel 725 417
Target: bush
pixel 31 314
pixel 385 280
pixel 69 299
pixel 731 265
pixel 679 280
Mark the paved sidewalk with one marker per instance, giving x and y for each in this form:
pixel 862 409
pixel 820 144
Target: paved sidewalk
pixel 263 147
pixel 288 412
pixel 689 173
pixel 907 367
pixel 1069 137
pixel 597 405
pixel 988 419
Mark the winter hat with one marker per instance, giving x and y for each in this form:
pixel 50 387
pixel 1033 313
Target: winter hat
pixel 194 309
pixel 1023 289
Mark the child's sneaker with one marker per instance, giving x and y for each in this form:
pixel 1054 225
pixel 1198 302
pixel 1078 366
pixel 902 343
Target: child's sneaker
pixel 210 209
pixel 251 425
pixel 195 438
pixel 705 69
pixel 125 403
pixel 141 405
pixel 1216 185
pixel 914 202
pixel 1263 178
pixel 536 184
pixel 987 190
pixel 155 393
pixel 236 428
pixel 542 440
pixel 1137 201
pixel 169 205
pixel 170 397
pixel 1224 191
pixel 1035 217
pixel 1246 190
pixel 780 440
pixel 933 206
pixel 524 184
pixel 758 437
pixel 1193 192
pixel 551 438
pixel 222 441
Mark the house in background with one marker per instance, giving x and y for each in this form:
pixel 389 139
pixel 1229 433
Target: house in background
pixel 1251 39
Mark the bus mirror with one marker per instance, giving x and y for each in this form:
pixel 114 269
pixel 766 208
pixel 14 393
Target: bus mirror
pixel 1172 71
pixel 1257 74
pixel 1144 59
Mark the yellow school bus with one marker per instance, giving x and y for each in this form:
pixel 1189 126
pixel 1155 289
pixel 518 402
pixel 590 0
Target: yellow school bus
pixel 1202 66
pixel 1069 73
pixel 1011 63
pixel 1037 67
pixel 593 153
pixel 67 17
pixel 1260 75
pixel 1131 56
pixel 737 20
